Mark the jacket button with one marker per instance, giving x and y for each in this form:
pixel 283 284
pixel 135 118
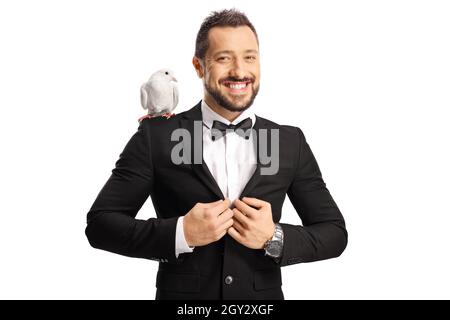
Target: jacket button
pixel 229 280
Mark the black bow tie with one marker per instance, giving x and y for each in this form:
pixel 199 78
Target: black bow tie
pixel 244 125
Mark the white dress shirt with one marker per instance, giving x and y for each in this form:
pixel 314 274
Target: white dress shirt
pixel 230 159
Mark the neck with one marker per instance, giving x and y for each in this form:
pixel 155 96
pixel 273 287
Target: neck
pixel 227 114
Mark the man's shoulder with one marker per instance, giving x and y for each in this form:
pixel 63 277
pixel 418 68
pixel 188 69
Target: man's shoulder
pixel 163 124
pixel 160 122
pixel 288 130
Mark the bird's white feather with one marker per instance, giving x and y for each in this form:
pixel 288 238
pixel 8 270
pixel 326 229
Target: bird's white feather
pixel 159 94
pixel 144 97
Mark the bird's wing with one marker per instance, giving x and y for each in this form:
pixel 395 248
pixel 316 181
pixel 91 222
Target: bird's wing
pixel 159 96
pixel 174 96
pixel 144 97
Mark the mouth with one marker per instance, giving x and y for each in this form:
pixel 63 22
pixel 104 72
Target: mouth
pixel 237 86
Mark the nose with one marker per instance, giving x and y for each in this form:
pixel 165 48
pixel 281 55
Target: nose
pixel 237 69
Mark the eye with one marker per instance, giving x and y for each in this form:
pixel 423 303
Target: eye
pixel 251 57
pixel 222 58
pixel 167 72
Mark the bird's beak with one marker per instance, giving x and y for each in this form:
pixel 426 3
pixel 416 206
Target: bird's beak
pixel 174 79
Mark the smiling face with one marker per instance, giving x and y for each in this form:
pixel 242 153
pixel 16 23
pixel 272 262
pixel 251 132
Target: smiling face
pixel 230 69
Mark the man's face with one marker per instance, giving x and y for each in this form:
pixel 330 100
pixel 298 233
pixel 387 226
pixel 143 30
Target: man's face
pixel 231 67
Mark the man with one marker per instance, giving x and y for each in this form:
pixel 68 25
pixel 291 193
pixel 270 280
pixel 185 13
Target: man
pixel 217 233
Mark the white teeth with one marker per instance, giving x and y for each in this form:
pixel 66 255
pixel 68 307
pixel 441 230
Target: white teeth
pixel 237 86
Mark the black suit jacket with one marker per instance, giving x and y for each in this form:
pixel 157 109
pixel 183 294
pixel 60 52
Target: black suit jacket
pixel 145 168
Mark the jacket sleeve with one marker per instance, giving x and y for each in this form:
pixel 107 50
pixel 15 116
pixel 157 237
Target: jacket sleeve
pixel 111 222
pixel 323 234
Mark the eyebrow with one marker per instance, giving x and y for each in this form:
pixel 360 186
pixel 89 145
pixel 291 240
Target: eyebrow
pixel 231 52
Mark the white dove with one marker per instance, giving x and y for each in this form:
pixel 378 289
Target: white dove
pixel 159 95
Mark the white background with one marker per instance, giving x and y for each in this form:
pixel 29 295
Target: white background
pixel 367 81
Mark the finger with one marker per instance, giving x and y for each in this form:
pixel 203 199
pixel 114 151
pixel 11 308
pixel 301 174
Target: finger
pixel 227 225
pixel 235 235
pixel 254 202
pixel 239 227
pixel 225 216
pixel 211 204
pixel 221 207
pixel 240 217
pixel 246 209
pixel 222 234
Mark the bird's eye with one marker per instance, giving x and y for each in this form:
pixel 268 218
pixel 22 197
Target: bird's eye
pixel 167 72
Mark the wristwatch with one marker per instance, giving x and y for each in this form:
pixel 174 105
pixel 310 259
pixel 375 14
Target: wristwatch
pixel 274 247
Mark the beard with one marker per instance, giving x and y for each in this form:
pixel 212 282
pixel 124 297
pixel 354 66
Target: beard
pixel 226 103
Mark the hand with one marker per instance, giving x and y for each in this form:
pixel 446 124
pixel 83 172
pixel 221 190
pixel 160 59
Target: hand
pixel 252 227
pixel 207 222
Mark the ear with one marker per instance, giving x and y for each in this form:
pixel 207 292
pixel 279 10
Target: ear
pixel 198 66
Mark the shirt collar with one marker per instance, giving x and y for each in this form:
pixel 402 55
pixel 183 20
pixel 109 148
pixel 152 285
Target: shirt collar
pixel 209 116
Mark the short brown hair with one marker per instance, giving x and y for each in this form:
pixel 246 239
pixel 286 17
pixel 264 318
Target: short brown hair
pixel 227 17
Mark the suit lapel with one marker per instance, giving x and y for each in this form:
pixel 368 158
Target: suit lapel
pixel 201 170
pixel 254 179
